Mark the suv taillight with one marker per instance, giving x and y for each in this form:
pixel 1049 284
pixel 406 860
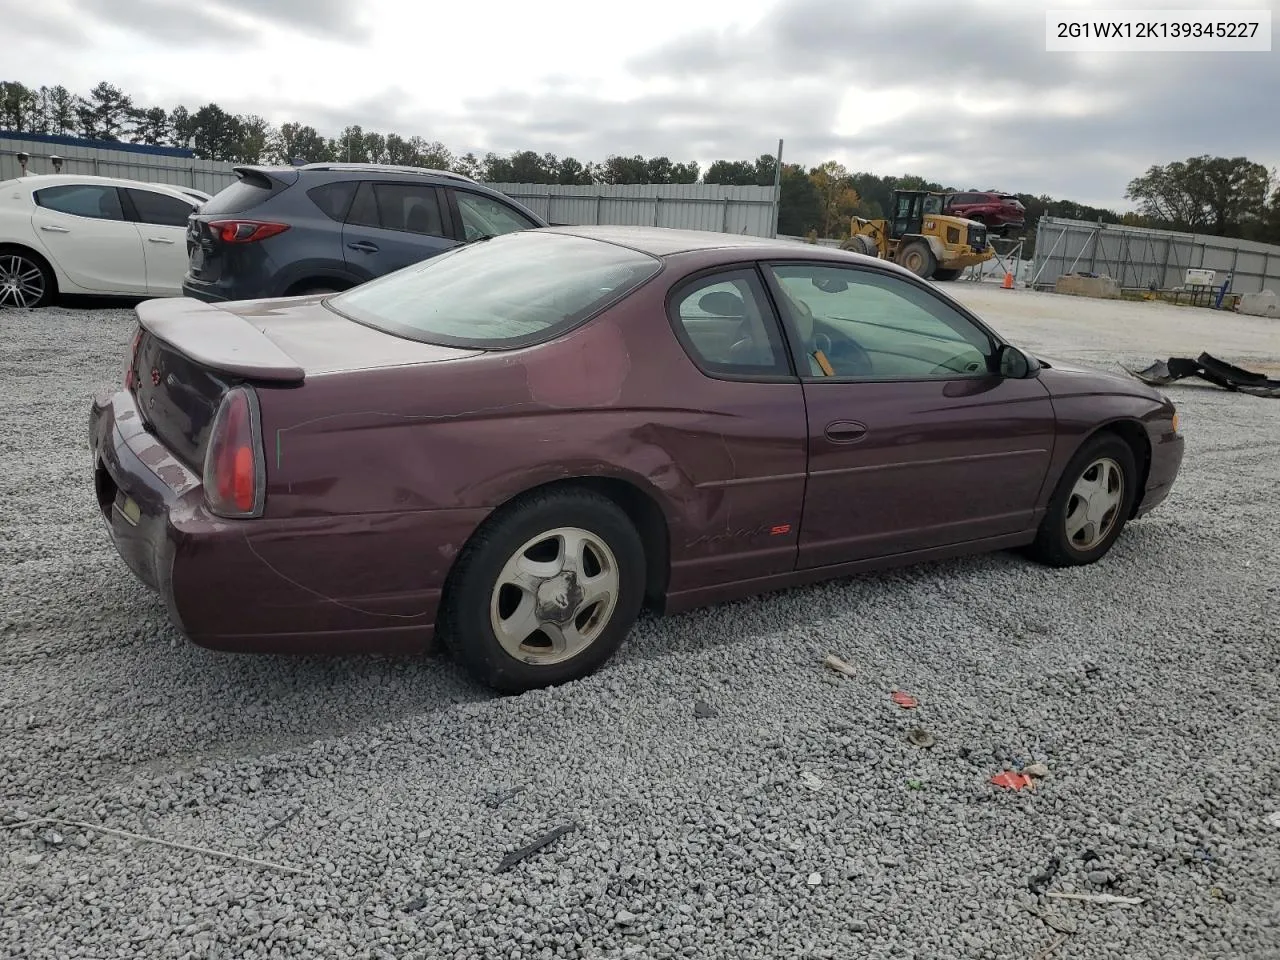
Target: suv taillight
pixel 245 231
pixel 234 472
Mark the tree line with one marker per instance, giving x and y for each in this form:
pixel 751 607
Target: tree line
pixel 1218 195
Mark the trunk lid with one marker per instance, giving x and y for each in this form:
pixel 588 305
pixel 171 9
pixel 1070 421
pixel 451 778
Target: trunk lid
pixel 187 354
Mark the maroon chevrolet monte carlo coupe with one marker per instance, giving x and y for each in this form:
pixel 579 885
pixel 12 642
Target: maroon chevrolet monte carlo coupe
pixel 517 444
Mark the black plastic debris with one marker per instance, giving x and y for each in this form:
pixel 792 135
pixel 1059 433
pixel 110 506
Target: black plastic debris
pixel 1205 367
pixel 511 859
pixel 1039 882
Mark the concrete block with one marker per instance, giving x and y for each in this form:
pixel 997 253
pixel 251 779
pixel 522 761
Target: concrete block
pixel 1101 288
pixel 1264 304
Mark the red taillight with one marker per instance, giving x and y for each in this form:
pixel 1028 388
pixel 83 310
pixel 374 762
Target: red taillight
pixel 233 471
pixel 130 377
pixel 245 231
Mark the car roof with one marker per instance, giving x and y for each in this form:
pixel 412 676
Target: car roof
pixel 665 242
pixel 37 180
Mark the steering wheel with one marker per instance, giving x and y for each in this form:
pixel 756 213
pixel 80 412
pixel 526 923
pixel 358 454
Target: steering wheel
pixel 852 359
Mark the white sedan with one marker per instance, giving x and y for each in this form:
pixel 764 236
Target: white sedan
pixel 95 236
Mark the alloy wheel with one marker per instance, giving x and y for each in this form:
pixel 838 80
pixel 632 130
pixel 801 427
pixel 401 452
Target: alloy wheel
pixel 22 282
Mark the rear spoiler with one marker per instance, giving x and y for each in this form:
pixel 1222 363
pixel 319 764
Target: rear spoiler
pixel 217 339
pixel 284 176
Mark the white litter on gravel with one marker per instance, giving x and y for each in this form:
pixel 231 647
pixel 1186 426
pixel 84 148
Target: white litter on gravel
pixel 793 819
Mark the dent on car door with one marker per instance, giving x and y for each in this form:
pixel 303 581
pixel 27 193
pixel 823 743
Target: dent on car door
pixel 162 223
pixel 84 229
pixel 914 443
pixel 744 449
pixel 393 225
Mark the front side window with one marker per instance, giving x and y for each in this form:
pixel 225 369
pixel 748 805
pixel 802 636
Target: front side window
pixel 867 325
pixel 82 200
pixel 512 291
pixel 725 323
pixel 485 217
pixel 160 208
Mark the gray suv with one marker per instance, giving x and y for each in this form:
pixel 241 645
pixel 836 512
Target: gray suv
pixel 322 227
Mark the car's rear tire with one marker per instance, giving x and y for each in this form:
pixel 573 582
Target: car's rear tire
pixel 946 274
pixel 918 258
pixel 315 291
pixel 26 281
pixel 545 592
pixel 1090 505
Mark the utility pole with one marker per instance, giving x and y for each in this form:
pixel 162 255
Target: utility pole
pixel 777 189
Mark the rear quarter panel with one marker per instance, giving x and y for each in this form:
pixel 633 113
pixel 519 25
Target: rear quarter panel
pixel 616 399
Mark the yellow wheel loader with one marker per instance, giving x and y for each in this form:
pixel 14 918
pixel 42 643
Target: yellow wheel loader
pixel 921 238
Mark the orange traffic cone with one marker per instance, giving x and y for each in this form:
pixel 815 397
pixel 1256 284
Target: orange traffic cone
pixel 1008 281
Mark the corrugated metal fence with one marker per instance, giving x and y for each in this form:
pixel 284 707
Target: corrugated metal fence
pixel 1138 258
pixel 689 206
pixel 692 206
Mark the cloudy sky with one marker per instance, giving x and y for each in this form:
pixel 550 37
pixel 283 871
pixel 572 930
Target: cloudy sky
pixel 960 91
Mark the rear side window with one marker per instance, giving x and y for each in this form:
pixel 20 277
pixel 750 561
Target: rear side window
pixel 249 191
pixel 406 207
pixel 82 200
pixel 334 199
pixel 725 322
pixel 512 291
pixel 160 209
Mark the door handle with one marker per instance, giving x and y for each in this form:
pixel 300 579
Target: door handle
pixel 49 228
pixel 159 240
pixel 845 431
pixel 364 246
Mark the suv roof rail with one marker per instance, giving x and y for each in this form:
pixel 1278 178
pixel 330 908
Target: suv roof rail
pixel 388 168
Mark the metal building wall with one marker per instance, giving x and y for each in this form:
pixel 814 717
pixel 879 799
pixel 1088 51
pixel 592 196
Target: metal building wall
pixel 151 167
pixel 688 206
pixel 1136 257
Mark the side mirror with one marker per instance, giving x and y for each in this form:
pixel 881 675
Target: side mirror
pixel 1014 364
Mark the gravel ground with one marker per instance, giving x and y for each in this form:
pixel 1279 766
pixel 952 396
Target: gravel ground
pixel 787 816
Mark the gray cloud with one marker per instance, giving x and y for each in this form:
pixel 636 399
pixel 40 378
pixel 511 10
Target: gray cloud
pixel 28 22
pixel 223 21
pixel 905 41
pixel 738 90
pixel 785 76
pixel 162 20
pixel 332 19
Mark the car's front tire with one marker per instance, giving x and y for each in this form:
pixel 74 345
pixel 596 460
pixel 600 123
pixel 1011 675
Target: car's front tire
pixel 1090 505
pixel 545 592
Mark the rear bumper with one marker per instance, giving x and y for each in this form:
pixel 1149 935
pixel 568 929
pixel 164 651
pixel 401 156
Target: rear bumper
pixel 1166 461
pixel 313 585
pixel 207 292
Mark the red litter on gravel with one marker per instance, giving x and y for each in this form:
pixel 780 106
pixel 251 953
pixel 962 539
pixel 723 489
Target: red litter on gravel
pixel 1012 781
pixel 905 700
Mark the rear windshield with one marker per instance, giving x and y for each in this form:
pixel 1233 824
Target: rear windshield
pixel 510 291
pixel 247 192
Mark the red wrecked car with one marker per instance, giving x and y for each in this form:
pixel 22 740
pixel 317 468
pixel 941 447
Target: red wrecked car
pixel 517 444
